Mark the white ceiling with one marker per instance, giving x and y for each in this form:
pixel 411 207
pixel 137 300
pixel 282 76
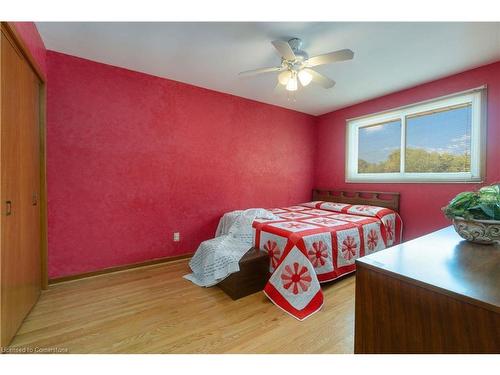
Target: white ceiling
pixel 387 56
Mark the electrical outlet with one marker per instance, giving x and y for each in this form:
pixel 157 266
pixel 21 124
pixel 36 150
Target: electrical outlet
pixel 177 236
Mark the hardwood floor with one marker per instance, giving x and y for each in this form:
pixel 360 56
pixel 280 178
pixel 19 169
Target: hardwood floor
pixel 155 310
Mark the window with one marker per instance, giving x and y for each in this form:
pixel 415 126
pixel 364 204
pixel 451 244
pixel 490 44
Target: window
pixel 439 140
pixel 379 148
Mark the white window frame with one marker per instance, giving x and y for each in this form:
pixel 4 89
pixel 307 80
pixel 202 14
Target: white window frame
pixel 475 97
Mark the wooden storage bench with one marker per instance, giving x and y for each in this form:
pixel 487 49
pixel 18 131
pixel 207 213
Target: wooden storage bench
pixel 251 278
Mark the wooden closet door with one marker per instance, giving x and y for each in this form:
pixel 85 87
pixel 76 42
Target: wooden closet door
pixel 30 185
pixel 20 223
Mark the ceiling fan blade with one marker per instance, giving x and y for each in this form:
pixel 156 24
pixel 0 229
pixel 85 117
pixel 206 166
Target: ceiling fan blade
pixel 328 58
pixel 320 79
pixel 260 71
pixel 284 49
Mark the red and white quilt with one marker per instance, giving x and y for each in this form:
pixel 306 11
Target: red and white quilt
pixel 317 242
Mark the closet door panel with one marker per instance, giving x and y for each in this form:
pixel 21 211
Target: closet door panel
pixel 12 285
pixel 30 187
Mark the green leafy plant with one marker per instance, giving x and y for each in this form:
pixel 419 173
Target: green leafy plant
pixel 483 204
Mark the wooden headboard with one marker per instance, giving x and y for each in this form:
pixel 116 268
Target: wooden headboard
pixel 373 198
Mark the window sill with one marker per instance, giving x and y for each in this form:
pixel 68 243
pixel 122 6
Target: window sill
pixel 414 181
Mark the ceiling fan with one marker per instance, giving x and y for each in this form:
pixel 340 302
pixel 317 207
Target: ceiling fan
pixel 296 65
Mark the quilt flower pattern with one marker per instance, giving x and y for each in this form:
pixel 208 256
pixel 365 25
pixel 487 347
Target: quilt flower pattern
pixel 318 254
pixel 372 239
pixel 297 279
pixel 349 246
pixel 273 251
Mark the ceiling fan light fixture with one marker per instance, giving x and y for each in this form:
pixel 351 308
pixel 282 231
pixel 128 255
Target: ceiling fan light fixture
pixel 305 77
pixel 292 84
pixel 284 77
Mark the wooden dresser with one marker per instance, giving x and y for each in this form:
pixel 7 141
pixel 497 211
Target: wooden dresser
pixel 434 294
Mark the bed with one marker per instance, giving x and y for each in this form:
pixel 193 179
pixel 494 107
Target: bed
pixel 319 241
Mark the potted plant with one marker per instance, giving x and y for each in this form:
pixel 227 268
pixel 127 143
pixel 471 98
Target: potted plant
pixel 476 214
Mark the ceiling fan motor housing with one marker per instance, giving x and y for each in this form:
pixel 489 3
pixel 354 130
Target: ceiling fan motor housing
pixel 296 45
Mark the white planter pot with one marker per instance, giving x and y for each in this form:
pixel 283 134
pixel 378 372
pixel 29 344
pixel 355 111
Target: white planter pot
pixel 479 231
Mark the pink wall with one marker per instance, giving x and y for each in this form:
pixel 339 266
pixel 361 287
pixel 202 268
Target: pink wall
pixel 133 158
pixel 420 203
pixel 32 39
